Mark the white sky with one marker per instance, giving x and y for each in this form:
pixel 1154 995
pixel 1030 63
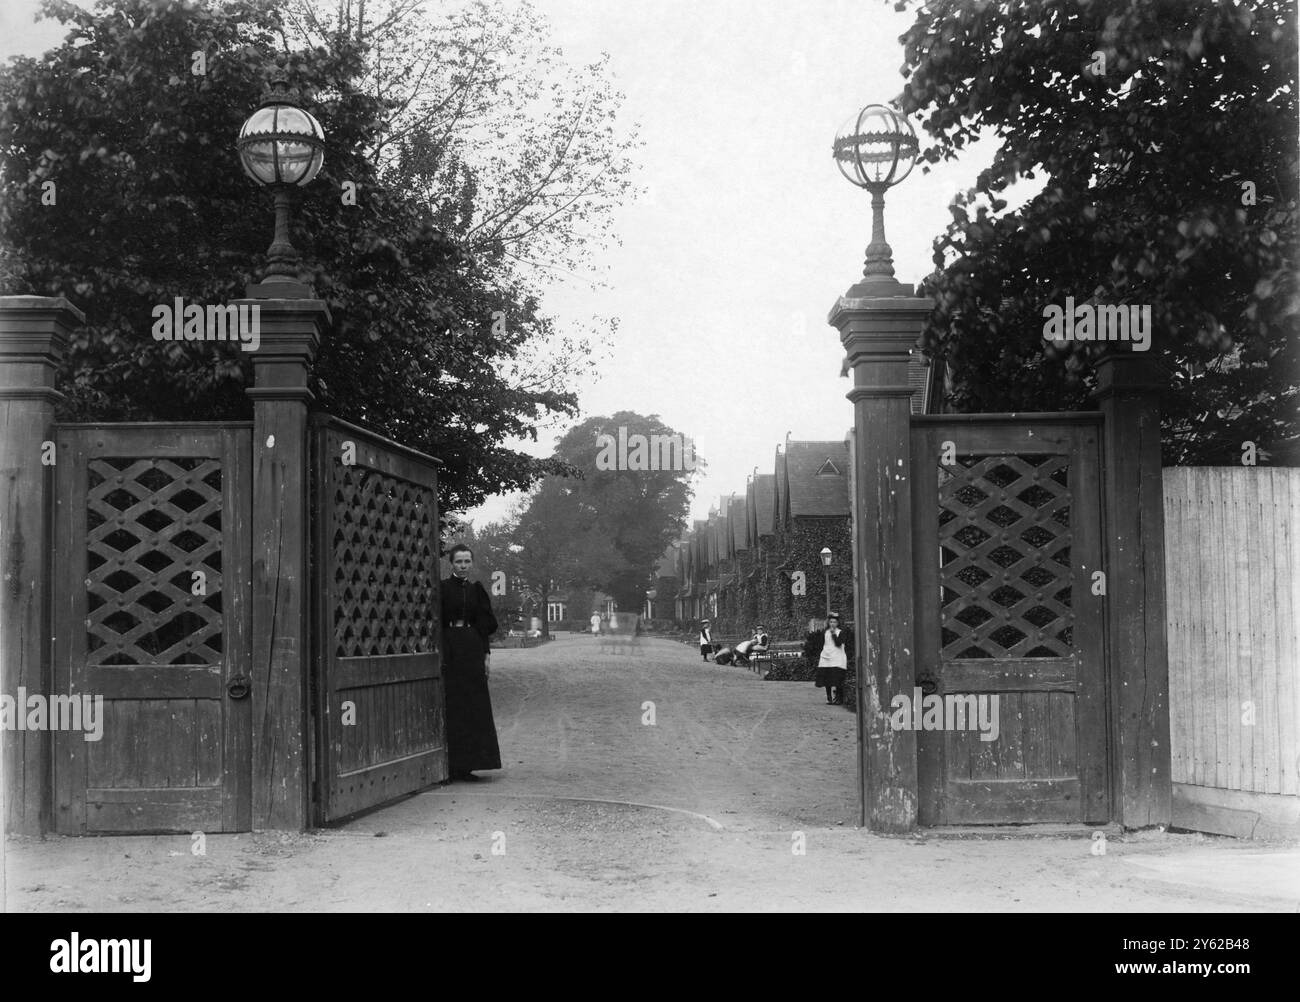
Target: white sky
pixel 728 268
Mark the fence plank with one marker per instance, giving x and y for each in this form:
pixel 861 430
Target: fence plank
pixel 1233 605
pixel 1288 544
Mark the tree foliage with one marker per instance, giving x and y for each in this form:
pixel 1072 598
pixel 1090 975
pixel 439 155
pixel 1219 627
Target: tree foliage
pixel 636 513
pixel 600 528
pixel 1153 121
pixel 517 152
pixel 426 337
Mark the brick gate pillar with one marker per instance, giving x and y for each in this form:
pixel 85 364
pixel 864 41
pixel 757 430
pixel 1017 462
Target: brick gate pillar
pixel 879 320
pixel 1128 388
pixel 33 336
pixel 280 596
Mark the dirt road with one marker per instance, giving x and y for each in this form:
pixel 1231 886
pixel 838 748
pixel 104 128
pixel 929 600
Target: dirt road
pixel 705 808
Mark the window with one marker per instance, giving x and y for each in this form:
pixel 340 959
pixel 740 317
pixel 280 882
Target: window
pixel 554 612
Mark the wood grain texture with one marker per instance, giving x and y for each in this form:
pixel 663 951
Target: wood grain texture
pixel 34 332
pixel 1231 560
pixel 140 508
pixel 379 706
pixel 1128 386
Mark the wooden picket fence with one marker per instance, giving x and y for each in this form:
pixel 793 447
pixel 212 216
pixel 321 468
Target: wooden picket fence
pixel 1232 556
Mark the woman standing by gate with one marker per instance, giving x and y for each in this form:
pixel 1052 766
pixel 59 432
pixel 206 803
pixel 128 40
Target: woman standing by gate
pixel 467 623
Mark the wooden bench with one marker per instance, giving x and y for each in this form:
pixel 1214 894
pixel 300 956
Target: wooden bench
pixel 778 650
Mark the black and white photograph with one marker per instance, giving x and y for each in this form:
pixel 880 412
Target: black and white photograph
pixel 691 456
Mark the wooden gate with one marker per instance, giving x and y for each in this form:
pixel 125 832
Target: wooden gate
pixel 150 572
pixel 376 669
pixel 1007 517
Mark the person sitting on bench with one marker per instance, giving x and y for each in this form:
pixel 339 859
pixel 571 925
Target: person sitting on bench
pixel 756 644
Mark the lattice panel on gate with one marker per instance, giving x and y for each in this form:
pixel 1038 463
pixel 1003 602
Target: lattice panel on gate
pixel 384 536
pixel 1004 540
pixel 151 524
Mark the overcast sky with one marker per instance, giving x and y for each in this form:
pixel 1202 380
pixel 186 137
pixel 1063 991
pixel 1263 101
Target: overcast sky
pixel 728 269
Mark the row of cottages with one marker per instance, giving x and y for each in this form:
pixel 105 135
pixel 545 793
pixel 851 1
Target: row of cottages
pixel 757 557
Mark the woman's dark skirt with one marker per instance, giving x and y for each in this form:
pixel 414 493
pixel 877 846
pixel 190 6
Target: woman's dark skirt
pixel 827 676
pixel 471 731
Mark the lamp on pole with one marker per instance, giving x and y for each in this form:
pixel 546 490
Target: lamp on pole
pixel 281 147
pixel 876 149
pixel 826 571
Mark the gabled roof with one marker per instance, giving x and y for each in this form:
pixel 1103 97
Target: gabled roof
pixel 919 373
pixel 736 515
pixel 764 502
pixel 922 376
pixel 779 505
pixel 815 492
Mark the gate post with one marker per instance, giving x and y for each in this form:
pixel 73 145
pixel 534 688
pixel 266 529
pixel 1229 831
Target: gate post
pixel 879 321
pixel 33 335
pixel 281 592
pixel 1128 387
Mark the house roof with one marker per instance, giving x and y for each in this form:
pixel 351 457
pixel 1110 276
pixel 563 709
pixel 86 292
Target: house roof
pixel 919 372
pixel 921 377
pixel 817 475
pixel 764 501
pixel 778 495
pixel 736 516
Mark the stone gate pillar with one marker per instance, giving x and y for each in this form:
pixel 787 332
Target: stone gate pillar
pixel 1128 388
pixel 879 320
pixel 33 336
pixel 290 335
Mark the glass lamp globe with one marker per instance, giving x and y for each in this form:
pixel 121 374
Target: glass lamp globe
pixel 876 148
pixel 280 143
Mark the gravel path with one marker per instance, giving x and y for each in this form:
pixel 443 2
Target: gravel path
pixel 596 809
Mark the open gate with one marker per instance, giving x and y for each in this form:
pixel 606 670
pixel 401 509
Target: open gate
pixel 1007 516
pixel 376 675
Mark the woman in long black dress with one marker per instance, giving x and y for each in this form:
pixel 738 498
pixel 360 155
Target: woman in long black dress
pixel 467 623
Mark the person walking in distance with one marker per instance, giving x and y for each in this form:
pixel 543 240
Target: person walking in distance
pixel 706 640
pixel 467 623
pixel 830 650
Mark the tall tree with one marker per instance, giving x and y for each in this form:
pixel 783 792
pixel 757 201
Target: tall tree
pixel 1167 131
pixel 559 545
pixel 521 154
pixel 148 203
pixel 634 510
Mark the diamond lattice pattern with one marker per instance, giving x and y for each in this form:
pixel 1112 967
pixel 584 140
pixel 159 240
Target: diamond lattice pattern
pixel 152 524
pixel 1004 543
pixel 385 563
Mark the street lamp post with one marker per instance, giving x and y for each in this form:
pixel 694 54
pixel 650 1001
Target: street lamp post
pixel 826 571
pixel 281 147
pixel 876 149
pixel 878 319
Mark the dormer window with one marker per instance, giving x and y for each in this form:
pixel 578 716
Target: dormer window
pixel 828 469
